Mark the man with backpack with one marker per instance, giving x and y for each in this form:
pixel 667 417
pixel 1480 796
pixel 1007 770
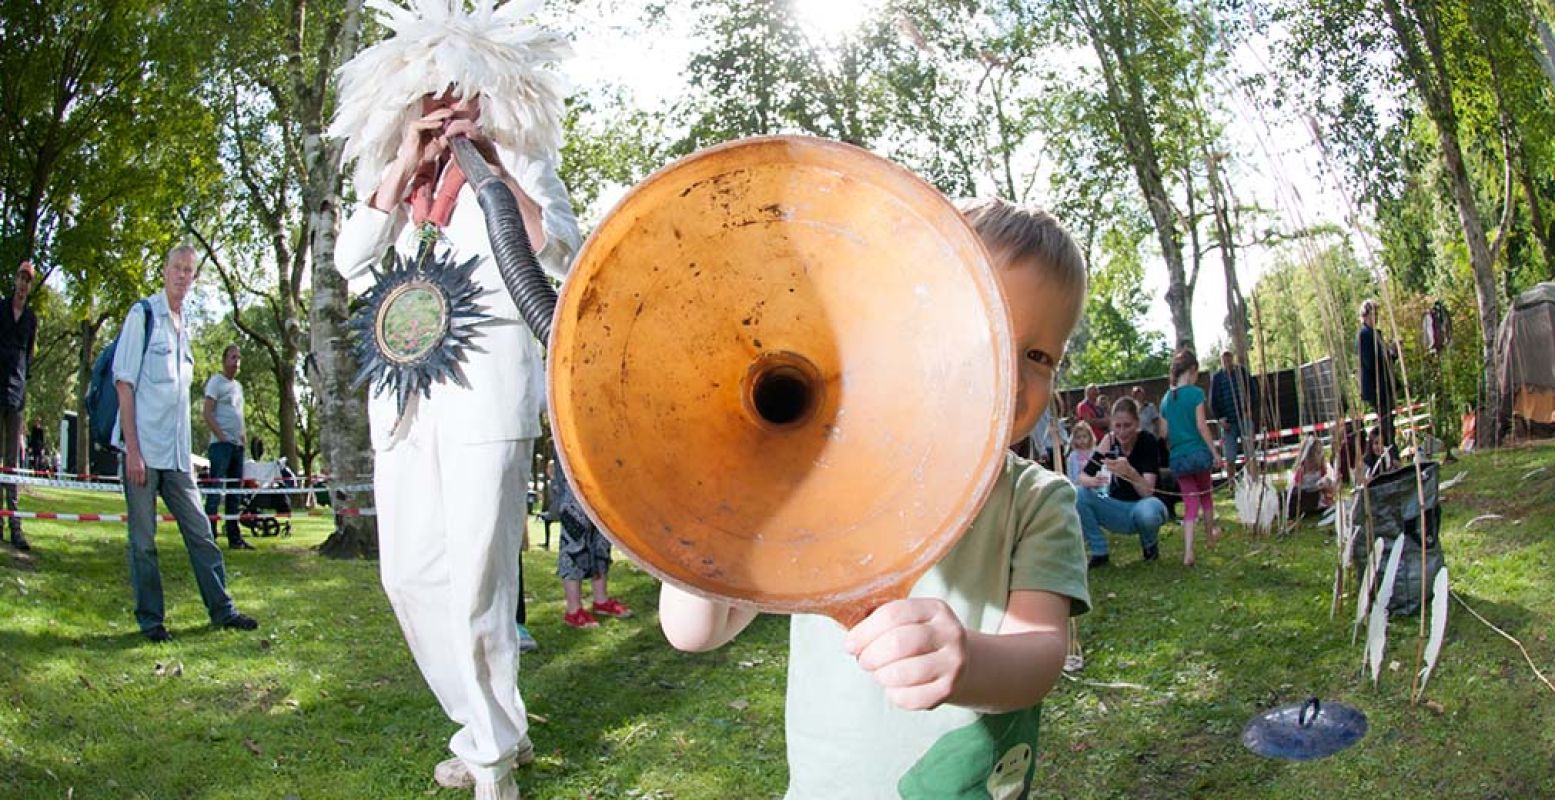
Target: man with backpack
pixel 153 368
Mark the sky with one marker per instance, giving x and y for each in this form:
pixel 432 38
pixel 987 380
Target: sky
pixel 1276 165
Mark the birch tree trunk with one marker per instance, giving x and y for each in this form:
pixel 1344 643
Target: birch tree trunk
pixel 1127 105
pixel 1424 63
pixel 343 434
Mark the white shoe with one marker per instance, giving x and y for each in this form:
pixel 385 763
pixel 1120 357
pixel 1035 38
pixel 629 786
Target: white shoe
pixel 453 774
pixel 505 789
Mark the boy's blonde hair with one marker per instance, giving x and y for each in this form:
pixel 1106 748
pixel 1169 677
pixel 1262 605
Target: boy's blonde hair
pixel 1012 232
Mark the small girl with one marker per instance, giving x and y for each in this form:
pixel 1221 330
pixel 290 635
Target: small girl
pixel 1311 483
pixel 1194 455
pixel 583 554
pixel 1082 442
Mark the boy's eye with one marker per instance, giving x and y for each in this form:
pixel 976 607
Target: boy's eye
pixel 1040 357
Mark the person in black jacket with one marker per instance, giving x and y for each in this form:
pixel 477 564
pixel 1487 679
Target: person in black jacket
pixel 18 338
pixel 1233 396
pixel 1376 358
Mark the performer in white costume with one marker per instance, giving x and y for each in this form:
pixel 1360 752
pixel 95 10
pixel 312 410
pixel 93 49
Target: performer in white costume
pixel 450 473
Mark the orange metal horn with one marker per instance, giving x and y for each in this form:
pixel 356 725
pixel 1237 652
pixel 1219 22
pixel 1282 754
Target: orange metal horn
pixel 781 374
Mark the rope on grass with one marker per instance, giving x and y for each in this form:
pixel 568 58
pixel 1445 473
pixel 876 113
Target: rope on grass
pixel 1509 637
pixel 1112 685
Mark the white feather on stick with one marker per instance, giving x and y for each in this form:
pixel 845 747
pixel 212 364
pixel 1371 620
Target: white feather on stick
pixel 1257 502
pixel 1335 515
pixel 1345 532
pixel 1377 628
pixel 1363 598
pixel 1433 645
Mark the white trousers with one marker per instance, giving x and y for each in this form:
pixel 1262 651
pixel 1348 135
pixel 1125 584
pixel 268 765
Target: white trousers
pixel 450 523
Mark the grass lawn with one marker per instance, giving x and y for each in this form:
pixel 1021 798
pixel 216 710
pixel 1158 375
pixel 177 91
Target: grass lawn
pixel 324 702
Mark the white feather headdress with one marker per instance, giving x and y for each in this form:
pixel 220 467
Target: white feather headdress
pixel 435 44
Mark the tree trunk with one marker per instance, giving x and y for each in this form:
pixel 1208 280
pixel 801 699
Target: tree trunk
pixel 1127 105
pixel 1427 70
pixel 342 409
pixel 286 381
pixel 290 303
pixel 1541 233
pixel 1225 235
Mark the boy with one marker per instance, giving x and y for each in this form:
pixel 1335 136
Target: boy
pixel 936 695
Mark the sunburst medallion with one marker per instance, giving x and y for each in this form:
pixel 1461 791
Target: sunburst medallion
pixel 418 323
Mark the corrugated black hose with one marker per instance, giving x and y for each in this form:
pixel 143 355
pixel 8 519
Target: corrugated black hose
pixel 531 290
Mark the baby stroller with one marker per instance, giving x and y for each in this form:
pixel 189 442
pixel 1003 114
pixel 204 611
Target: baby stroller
pixel 259 506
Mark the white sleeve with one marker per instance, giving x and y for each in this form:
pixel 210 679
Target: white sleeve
pixel 364 237
pixel 539 179
pixel 130 350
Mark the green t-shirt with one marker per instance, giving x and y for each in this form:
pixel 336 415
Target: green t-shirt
pixel 846 740
pixel 1182 422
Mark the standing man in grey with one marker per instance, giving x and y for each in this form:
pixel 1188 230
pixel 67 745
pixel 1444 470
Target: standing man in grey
pixel 224 416
pixel 152 377
pixel 18 337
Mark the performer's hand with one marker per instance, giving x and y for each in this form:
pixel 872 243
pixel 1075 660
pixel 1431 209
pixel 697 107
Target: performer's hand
pixel 420 148
pixel 421 142
pixel 471 129
pixel 915 649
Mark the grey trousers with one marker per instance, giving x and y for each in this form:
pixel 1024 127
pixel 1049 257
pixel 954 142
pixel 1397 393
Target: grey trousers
pixel 178 491
pixel 10 454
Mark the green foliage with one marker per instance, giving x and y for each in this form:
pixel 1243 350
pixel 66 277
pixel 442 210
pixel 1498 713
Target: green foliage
pixel 1309 302
pixel 608 145
pixel 1109 345
pixel 761 73
pixel 1441 116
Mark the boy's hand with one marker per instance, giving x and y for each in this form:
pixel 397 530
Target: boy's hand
pixel 916 649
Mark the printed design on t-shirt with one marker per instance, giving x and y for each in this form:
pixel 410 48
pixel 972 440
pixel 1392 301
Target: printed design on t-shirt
pixel 994 758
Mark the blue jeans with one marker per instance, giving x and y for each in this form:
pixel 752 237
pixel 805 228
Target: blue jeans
pixel 176 488
pixel 226 463
pixel 1231 441
pixel 1142 518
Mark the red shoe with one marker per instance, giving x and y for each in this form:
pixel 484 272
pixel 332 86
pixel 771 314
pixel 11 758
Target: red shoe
pixel 612 608
pixel 580 619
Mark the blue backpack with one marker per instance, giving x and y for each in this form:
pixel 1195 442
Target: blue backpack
pixel 102 399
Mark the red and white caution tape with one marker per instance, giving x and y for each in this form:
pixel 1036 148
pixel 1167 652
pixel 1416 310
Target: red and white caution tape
pixel 63 517
pixel 1320 427
pixel 319 481
pixel 115 487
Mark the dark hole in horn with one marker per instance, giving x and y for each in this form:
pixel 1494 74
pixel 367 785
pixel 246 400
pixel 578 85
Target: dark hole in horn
pixel 782 396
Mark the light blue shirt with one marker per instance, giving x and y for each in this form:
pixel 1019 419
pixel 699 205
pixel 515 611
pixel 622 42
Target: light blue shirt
pixel 161 376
